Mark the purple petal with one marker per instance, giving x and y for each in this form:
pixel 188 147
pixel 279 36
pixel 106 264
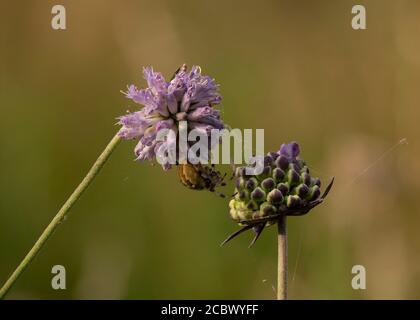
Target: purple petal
pixel 178 85
pixel 289 150
pixel 172 103
pixel 145 152
pixel 164 124
pixel 200 113
pixel 200 89
pixel 155 80
pixel 206 115
pixel 133 125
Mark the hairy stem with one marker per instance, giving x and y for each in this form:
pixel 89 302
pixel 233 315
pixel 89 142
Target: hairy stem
pixel 59 217
pixel 282 259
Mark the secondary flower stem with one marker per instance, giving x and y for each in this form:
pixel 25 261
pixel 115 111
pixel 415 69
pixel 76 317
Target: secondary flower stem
pixel 59 217
pixel 282 259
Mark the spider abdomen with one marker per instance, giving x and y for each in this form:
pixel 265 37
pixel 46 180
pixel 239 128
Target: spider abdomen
pixel 200 177
pixel 191 176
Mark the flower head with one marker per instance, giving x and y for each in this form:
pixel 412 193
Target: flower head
pixel 189 96
pixel 284 184
pixel 284 187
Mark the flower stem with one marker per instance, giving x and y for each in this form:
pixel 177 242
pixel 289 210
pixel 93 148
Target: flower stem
pixel 59 217
pixel 282 259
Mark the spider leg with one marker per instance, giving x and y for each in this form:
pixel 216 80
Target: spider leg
pixel 258 229
pixel 235 234
pixel 221 181
pixel 222 195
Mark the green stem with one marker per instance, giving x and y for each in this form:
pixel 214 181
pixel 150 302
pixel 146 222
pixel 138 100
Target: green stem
pixel 282 259
pixel 59 217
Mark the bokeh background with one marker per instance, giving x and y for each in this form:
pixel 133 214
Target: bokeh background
pixel 295 68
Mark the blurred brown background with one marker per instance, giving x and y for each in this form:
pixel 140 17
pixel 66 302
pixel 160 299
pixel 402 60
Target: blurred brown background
pixel 295 68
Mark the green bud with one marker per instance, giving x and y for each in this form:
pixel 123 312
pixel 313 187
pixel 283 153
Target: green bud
pixel 282 162
pixel 305 178
pixel 252 205
pixel 251 184
pixel 240 171
pixel 243 195
pixel 294 166
pixel 244 214
pixel 240 183
pixel 233 214
pixel 268 160
pixel 240 205
pixel 275 197
pixel 293 201
pixel 258 194
pixel 316 181
pixel 268 184
pixel 293 177
pixel 278 175
pixel 302 190
pixel 267 209
pixel 314 193
pixel 284 188
pixel 265 174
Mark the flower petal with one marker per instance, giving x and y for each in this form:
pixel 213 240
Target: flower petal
pixel 289 150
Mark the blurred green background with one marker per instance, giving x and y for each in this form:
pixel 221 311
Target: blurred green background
pixel 295 68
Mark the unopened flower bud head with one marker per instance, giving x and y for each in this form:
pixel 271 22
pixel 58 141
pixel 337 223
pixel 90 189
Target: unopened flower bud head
pixel 268 184
pixel 278 175
pixel 284 184
pixel 302 190
pixel 293 177
pixel 315 193
pixel 252 205
pixel 305 178
pixel 251 184
pixel 275 197
pixel 284 188
pixel 282 162
pixel 293 201
pixel 266 209
pixel 258 194
pixel 243 195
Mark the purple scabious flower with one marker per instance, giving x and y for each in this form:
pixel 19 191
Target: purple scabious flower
pixel 189 96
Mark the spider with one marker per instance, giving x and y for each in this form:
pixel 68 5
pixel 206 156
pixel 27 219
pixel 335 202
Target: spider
pixel 201 177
